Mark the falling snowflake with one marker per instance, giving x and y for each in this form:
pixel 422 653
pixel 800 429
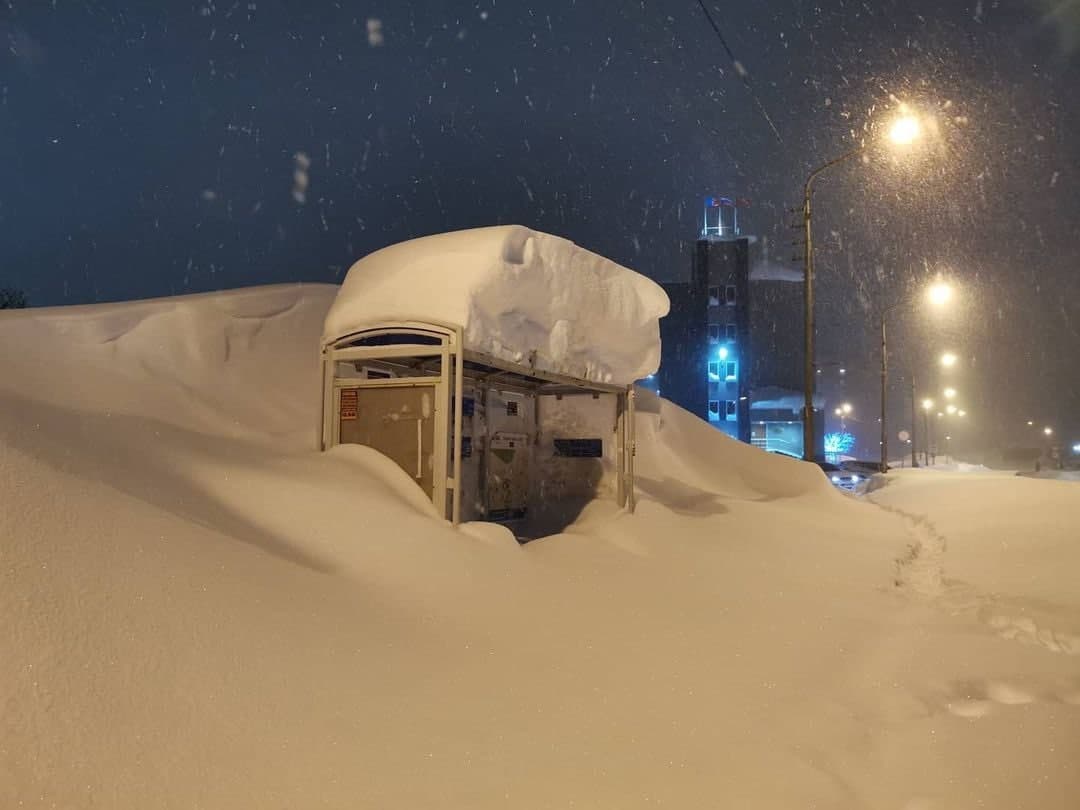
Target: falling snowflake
pixel 374 32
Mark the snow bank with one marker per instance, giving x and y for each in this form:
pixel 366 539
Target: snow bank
pixel 1007 535
pixel 677 450
pixel 1051 475
pixel 198 612
pixel 240 362
pixel 514 291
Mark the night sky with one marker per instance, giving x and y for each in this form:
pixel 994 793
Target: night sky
pixel 167 147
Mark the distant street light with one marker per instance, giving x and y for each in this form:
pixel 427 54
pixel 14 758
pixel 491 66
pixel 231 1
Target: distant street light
pixel 904 131
pixel 1030 423
pixel 846 408
pixel 1048 431
pixel 961 413
pixel 928 404
pixel 951 409
pixel 948 359
pixel 950 393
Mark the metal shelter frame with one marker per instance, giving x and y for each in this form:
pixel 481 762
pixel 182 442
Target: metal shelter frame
pixel 433 354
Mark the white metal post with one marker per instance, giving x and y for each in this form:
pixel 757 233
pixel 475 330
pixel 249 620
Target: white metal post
pixel 459 398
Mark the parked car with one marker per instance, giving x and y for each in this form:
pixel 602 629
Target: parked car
pixel 863 468
pixel 841 478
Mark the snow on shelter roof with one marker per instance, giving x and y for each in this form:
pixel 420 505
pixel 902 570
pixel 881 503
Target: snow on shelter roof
pixel 515 292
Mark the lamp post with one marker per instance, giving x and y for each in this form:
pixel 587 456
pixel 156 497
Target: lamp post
pixel 939 293
pixel 904 131
pixel 927 404
pixel 808 305
pixel 914 421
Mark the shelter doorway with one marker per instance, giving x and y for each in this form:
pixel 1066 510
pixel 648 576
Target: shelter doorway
pixel 396 420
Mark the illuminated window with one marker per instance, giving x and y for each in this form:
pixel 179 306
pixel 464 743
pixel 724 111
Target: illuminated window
pixel 732 410
pixel 714 297
pixel 731 370
pixel 714 333
pixel 714 410
pixel 714 370
pixel 729 295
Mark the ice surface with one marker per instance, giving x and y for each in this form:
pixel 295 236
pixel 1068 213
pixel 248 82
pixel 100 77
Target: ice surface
pixel 515 291
pixel 200 611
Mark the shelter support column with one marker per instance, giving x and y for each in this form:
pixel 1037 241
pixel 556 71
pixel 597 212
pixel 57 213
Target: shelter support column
pixel 620 449
pixel 631 449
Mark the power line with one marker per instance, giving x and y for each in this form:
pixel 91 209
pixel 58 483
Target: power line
pixel 738 67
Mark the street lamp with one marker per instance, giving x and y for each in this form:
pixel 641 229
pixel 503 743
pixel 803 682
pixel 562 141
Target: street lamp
pixel 950 393
pixel 1048 431
pixel 948 359
pixel 951 409
pixel 904 131
pixel 938 294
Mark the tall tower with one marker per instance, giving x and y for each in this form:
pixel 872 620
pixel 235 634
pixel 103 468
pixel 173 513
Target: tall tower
pixel 720 274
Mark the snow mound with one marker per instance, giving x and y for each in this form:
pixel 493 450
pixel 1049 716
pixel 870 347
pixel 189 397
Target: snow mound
pixel 519 294
pixel 240 362
pixel 677 450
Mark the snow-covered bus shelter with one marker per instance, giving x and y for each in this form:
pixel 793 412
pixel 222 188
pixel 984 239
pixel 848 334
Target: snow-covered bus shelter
pixel 495 366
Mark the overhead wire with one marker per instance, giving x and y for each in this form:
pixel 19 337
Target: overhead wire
pixel 738 67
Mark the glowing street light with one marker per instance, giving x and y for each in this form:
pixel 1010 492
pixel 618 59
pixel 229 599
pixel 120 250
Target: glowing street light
pixel 948 359
pixel 1048 431
pixel 950 393
pixel 951 409
pixel 928 404
pixel 846 408
pixel 1030 423
pixel 905 130
pixel 940 293
pixel 961 413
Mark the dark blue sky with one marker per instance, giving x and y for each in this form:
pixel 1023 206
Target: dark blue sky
pixel 150 148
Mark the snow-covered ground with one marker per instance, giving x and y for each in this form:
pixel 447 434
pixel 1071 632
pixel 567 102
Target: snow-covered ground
pixel 200 611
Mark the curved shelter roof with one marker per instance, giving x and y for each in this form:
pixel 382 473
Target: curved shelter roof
pixel 519 295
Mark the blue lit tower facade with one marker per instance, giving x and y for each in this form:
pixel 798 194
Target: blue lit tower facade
pixel 705 337
pixel 731 346
pixel 720 270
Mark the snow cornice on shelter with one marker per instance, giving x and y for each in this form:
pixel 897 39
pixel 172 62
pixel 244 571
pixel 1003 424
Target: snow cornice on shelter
pixel 518 295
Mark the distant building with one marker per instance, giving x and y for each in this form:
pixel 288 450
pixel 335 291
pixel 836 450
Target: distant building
pixel 732 343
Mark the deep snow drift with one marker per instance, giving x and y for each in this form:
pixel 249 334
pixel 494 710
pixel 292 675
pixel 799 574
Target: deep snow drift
pixel 514 291
pixel 200 611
